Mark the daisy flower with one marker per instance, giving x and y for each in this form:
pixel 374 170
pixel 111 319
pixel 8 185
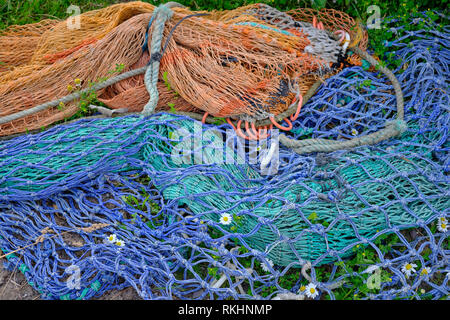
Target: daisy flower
pixel 225 219
pixel 408 268
pixel 425 271
pixel 77 81
pixel 302 289
pixel 442 219
pixel 311 291
pixel 120 243
pixel 443 226
pixel 111 238
pixel 354 132
pixel 265 267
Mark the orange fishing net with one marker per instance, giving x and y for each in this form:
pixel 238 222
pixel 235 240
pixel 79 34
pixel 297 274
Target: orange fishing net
pixel 250 63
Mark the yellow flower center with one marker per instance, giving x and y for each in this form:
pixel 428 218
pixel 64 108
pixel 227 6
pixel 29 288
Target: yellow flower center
pixel 424 271
pixel 225 218
pixel 408 267
pixel 312 290
pixel 302 288
pixel 443 226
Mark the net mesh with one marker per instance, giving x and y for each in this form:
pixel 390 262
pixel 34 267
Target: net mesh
pixel 67 195
pixel 229 64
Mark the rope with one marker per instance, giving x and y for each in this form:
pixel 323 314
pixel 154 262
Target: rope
pixel 72 96
pixel 152 73
pixel 162 14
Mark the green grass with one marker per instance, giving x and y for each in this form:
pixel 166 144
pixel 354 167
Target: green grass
pixel 29 11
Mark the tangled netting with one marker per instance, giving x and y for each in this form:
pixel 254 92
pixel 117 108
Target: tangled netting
pixel 250 63
pixel 68 193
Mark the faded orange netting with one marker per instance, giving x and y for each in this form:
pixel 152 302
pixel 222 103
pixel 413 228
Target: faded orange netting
pixel 246 64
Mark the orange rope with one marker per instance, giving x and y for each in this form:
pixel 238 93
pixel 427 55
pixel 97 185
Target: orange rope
pixel 52 58
pixel 288 128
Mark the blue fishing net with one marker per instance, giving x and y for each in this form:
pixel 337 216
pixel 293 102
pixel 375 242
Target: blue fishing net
pixel 103 204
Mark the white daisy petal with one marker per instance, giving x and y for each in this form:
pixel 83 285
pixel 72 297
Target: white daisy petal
pixel 408 268
pixel 442 226
pixel 425 271
pixel 311 291
pixel 265 267
pixel 120 243
pixel 226 219
pixel 111 238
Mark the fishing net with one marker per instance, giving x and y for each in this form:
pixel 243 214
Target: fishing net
pixel 250 63
pixel 177 209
